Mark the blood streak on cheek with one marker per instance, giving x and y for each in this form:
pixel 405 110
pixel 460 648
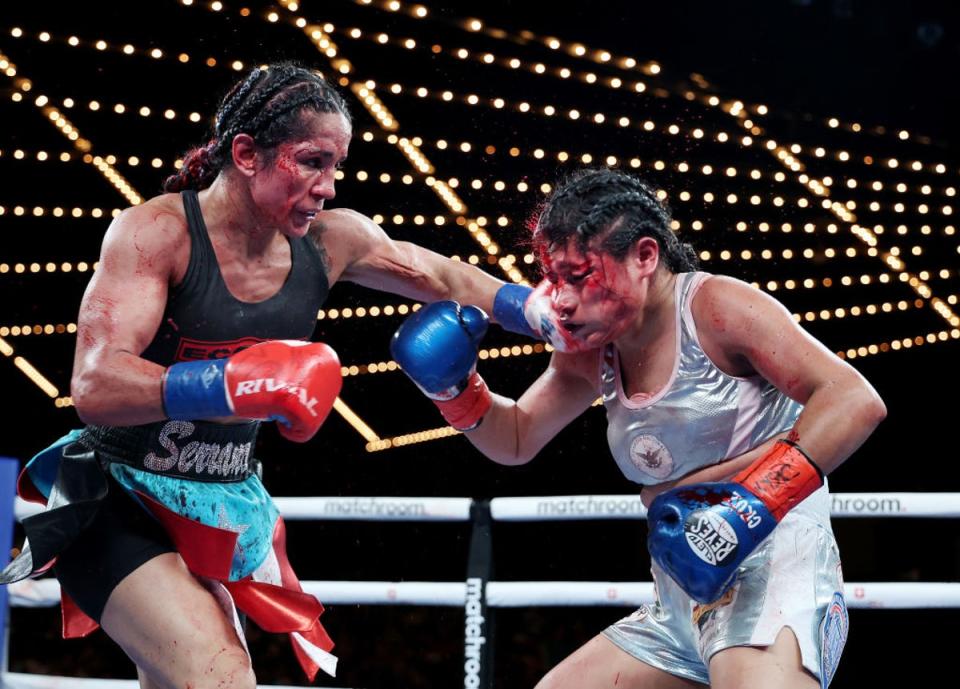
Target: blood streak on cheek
pixel 288 167
pixel 87 338
pixel 286 163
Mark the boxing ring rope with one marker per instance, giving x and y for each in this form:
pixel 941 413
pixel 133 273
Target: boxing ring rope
pixel 517 594
pixel 477 594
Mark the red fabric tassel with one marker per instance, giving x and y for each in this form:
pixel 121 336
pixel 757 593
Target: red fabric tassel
pixel 207 550
pixel 76 623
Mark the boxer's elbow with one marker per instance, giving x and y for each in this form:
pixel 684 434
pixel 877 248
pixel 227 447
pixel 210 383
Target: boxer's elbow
pixel 83 392
pixel 874 410
pixel 88 387
pixel 864 407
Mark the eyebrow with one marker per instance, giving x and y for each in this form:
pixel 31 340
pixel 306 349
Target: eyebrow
pixel 324 153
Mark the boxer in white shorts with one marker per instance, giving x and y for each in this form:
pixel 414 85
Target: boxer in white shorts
pixel 718 404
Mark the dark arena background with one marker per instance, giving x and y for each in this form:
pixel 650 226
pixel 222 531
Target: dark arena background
pixel 806 146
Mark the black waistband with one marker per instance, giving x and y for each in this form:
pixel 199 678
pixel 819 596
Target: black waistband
pixel 195 450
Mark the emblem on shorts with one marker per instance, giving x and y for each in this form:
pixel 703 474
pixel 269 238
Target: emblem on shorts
pixel 704 612
pixel 637 616
pixel 651 456
pixel 833 637
pixel 710 537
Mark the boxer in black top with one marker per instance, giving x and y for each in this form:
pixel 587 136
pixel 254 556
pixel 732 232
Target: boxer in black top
pixel 193 330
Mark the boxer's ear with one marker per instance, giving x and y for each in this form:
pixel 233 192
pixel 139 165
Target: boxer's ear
pixel 246 154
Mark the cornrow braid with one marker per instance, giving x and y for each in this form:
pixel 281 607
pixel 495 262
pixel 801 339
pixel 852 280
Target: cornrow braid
pixel 272 113
pixel 267 104
pixel 198 170
pixel 615 207
pixel 237 95
pixel 254 102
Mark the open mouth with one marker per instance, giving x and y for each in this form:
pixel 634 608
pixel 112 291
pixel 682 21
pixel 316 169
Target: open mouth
pixel 308 216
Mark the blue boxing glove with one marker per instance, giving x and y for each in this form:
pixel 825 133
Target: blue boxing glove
pixel 532 312
pixel 701 534
pixel 437 348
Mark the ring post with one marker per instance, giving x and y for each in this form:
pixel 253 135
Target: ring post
pixel 478 632
pixel 9 468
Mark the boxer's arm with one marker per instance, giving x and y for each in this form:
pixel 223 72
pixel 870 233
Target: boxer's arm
pixel 359 251
pixel 119 316
pixel 746 329
pixel 513 432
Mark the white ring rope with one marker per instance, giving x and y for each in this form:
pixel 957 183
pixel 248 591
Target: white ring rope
pixel 511 594
pixel 567 507
pixel 39 593
pixel 564 507
pixel 354 508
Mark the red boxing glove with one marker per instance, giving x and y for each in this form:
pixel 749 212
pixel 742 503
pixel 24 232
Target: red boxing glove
pixel 782 478
pixel 294 383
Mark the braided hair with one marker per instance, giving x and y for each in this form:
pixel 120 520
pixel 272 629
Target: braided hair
pixel 615 207
pixel 267 104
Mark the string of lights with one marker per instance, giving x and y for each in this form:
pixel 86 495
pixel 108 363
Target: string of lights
pixel 848 311
pixel 127 49
pixel 865 235
pixel 598 56
pixel 411 438
pixel 475 259
pixel 585 158
pixel 487 58
pixel 58 212
pixel 48 267
pixel 541 153
pixel 66 157
pixel 576 50
pixel 684 196
pixel 48 329
pixel 465 147
pixel 647 125
pixel 29 370
pixel 411 151
pixel 145 111
pixel 83 145
pixel 673 129
pixel 903 343
pixel 473 25
pixel 24 86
